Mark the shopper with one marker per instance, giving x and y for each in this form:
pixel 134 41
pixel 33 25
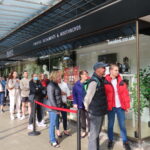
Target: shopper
pixel 65 92
pixel 24 86
pixel 96 104
pixel 78 97
pixel 35 94
pixel 13 86
pixel 118 102
pixel 44 82
pixel 2 93
pixel 54 98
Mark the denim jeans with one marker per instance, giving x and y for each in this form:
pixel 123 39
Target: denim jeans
pixel 2 98
pixel 52 118
pixel 64 118
pixel 121 120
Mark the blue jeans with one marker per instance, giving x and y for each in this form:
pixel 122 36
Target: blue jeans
pixel 64 118
pixel 2 98
pixel 52 118
pixel 121 120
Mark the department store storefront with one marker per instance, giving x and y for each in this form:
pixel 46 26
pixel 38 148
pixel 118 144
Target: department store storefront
pixel 128 46
pixel 116 40
pixel 130 50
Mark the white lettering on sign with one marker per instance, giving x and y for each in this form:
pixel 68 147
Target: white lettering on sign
pixel 10 53
pixel 115 41
pixel 58 35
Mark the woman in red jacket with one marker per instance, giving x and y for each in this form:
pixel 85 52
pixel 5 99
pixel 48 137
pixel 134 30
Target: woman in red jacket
pixel 118 102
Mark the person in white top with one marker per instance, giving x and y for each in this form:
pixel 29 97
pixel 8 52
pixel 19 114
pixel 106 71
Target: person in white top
pixel 118 101
pixel 13 86
pixel 24 86
pixel 65 93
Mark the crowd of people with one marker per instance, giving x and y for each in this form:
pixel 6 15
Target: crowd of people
pixel 94 96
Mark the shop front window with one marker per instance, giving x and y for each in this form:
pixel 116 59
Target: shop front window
pixel 144 48
pixel 117 45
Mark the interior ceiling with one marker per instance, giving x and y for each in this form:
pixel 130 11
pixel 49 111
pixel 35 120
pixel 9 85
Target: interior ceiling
pixel 16 17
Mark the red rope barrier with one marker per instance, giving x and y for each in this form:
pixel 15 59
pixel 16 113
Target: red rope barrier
pixel 56 108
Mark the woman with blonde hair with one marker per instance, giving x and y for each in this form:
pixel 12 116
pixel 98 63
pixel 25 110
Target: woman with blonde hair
pixel 54 99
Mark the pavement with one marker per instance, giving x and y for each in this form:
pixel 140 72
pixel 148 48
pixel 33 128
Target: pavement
pixel 14 136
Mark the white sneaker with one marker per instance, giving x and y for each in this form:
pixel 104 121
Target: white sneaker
pixel 22 118
pixel 18 116
pixel 41 124
pixel 30 127
pixel 12 117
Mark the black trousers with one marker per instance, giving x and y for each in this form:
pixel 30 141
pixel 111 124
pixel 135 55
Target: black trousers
pixel 83 118
pixel 39 113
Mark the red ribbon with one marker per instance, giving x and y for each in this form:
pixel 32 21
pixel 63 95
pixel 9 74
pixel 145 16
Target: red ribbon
pixel 56 108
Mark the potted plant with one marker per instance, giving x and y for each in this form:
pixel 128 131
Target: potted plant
pixel 144 93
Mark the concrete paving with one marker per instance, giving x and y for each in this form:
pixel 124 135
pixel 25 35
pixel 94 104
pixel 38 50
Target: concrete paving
pixel 14 136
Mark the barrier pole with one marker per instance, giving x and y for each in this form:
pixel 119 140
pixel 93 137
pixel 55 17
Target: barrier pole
pixel 34 132
pixel 78 130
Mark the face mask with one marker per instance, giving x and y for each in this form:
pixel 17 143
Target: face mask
pixel 35 78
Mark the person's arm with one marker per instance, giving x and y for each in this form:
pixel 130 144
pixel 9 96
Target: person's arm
pixel 58 97
pixel 75 101
pixel 50 94
pixel 127 100
pixel 21 85
pixel 67 91
pixel 90 93
pixel 11 84
pixel 32 87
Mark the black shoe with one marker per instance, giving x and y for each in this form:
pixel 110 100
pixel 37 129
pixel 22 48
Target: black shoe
pixel 110 144
pixel 126 146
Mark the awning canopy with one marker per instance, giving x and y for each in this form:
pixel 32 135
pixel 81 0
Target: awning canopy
pixel 16 17
pixel 71 24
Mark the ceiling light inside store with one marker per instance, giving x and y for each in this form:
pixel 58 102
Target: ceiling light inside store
pixel 66 58
pixel 66 55
pixel 42 57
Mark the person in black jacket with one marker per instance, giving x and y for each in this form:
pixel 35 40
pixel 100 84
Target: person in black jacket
pixel 96 104
pixel 54 99
pixel 35 94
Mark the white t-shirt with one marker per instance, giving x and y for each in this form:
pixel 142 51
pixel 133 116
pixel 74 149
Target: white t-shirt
pixel 64 88
pixel 117 100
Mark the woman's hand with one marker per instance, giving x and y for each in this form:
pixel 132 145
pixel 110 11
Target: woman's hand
pixel 75 106
pixel 63 93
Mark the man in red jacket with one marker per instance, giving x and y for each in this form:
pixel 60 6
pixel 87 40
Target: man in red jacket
pixel 118 102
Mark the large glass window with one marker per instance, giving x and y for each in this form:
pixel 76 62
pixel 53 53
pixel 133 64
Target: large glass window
pixel 116 45
pixel 144 47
